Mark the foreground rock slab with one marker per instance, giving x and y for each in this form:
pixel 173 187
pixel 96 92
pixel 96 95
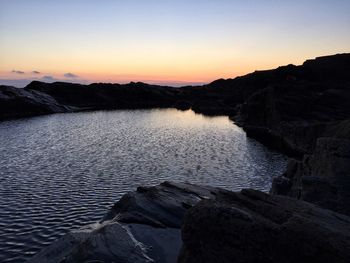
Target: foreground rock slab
pixel 144 226
pixel 178 222
pixel 252 226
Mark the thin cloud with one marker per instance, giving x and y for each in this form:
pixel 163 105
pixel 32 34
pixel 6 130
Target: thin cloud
pixel 35 72
pixel 17 72
pixel 70 75
pixel 48 78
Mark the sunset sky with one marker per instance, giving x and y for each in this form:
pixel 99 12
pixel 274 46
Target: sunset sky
pixel 161 41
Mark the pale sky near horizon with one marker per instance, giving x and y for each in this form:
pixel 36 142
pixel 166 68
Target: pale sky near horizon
pixel 163 41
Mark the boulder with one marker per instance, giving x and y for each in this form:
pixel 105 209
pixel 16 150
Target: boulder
pixel 108 242
pixel 144 226
pixel 252 226
pixel 15 102
pixel 216 226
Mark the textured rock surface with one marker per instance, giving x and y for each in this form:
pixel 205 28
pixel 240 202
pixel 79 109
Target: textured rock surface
pixel 144 226
pixel 19 103
pixel 298 104
pixel 109 242
pixel 217 226
pixel 252 226
pixel 322 178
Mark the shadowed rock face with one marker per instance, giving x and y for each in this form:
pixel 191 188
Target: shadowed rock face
pixel 144 226
pixel 322 178
pixel 252 226
pixel 292 117
pixel 306 114
pixel 217 226
pixel 323 175
pixel 108 96
pixel 20 103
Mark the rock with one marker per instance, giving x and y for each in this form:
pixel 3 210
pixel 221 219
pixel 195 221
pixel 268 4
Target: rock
pixel 322 178
pixel 109 96
pixel 16 103
pixel 290 114
pixel 291 117
pixel 217 225
pixel 144 226
pixel 252 226
pixel 329 68
pixel 317 91
pixel 109 242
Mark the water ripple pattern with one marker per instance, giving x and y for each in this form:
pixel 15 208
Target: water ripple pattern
pixel 62 171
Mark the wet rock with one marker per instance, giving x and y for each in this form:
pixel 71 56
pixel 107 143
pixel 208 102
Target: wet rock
pixel 108 242
pixel 252 226
pixel 217 226
pixel 144 226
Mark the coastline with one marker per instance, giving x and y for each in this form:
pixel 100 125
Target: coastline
pixel 301 111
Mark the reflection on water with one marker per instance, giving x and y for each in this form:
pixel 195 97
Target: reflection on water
pixel 62 171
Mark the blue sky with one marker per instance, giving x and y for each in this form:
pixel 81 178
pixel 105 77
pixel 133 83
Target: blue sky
pixel 165 41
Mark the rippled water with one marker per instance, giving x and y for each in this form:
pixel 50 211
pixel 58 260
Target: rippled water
pixel 62 171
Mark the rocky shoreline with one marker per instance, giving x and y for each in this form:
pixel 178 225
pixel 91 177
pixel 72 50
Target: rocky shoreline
pixel 287 108
pixel 143 226
pixel 303 111
pixel 177 222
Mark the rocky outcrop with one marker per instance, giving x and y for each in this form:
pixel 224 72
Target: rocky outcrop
pixel 289 108
pixel 20 103
pixel 144 226
pixel 252 226
pixel 109 96
pixel 304 112
pixel 322 177
pixel 217 226
pixel 292 116
pixel 318 90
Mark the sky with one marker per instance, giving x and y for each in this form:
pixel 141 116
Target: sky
pixel 174 42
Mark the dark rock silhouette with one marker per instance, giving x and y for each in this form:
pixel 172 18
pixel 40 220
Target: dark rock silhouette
pixel 217 226
pixel 317 90
pixel 252 226
pixel 108 96
pixel 303 111
pixel 288 108
pixel 143 226
pixel 322 177
pixel 16 102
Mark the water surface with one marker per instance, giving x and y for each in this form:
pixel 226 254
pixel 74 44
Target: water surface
pixel 62 171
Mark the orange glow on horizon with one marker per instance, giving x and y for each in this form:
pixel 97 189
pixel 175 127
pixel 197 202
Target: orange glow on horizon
pixel 164 41
pixel 149 73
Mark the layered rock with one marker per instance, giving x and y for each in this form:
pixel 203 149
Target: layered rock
pixel 297 109
pixel 292 116
pixel 322 177
pixel 252 226
pixel 144 226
